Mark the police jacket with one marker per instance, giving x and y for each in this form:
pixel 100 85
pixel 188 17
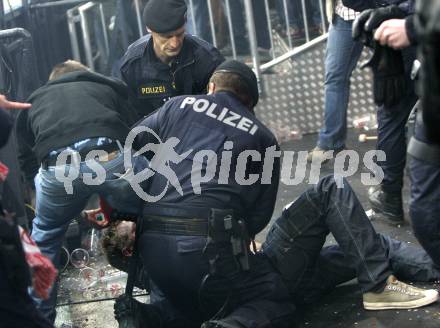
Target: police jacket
pixel 152 82
pixel 74 107
pixel 225 159
pixel 360 5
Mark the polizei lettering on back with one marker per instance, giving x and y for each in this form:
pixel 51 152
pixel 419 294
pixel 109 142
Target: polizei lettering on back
pixel 224 115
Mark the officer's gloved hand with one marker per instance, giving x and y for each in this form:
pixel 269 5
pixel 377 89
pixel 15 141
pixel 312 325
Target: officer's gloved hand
pixel 388 75
pixel 131 313
pixel 370 19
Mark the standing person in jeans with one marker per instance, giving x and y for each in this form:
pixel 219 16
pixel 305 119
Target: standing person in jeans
pixel 342 55
pixel 341 58
pixel 80 115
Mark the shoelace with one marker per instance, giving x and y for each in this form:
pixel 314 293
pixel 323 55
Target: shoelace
pixel 403 288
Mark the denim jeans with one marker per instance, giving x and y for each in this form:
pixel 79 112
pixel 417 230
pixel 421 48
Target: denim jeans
pixel 391 132
pixel 408 263
pixel 424 207
pixel 342 54
pixel 295 13
pixel 55 209
pixel 295 241
pixel 240 26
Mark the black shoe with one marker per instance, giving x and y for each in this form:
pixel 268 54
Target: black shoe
pixel 131 313
pixel 388 205
pixel 220 324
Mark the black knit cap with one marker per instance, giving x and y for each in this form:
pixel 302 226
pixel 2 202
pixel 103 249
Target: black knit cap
pixel 163 16
pixel 245 72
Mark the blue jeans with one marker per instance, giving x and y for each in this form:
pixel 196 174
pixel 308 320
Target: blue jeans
pixel 55 209
pixel 408 263
pixel 294 10
pixel 295 240
pixel 240 27
pixel 200 20
pixel 341 57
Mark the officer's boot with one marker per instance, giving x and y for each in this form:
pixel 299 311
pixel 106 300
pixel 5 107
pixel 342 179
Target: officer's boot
pixel 131 313
pixel 387 205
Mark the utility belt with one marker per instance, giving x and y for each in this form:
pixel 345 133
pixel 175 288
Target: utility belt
pixel 112 150
pixel 176 225
pixel 222 230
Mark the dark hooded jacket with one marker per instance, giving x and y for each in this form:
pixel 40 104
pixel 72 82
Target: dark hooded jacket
pixel 74 107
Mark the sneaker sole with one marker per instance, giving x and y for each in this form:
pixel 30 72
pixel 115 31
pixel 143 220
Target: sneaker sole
pixel 429 299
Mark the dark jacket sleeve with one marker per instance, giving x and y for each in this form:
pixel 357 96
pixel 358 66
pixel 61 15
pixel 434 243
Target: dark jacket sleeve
pixel 262 212
pixel 411 30
pixel 25 142
pixel 361 5
pixel 5 127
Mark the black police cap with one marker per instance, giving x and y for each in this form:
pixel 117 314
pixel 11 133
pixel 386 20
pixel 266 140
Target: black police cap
pixel 245 72
pixel 163 16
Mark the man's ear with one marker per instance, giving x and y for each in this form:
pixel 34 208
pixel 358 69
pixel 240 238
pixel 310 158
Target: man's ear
pixel 127 251
pixel 211 88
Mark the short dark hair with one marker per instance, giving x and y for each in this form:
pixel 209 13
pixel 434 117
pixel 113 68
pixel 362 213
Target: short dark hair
pixel 113 245
pixel 66 67
pixel 232 82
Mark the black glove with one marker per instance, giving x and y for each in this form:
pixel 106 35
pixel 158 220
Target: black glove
pixel 370 20
pixel 388 75
pixel 131 313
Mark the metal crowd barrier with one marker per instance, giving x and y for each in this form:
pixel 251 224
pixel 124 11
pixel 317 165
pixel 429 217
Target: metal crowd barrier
pixel 93 53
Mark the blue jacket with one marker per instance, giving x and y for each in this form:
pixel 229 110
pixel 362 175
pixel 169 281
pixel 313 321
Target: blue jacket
pixel 205 123
pixel 152 82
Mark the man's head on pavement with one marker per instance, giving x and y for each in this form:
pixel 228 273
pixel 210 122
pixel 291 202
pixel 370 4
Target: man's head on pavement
pixel 238 78
pixel 165 20
pixel 68 66
pixel 118 243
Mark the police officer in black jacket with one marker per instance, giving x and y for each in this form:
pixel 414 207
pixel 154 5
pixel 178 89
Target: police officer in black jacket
pixel 211 202
pixel 422 28
pixel 167 62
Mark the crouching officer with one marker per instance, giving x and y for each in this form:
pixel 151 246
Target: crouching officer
pixel 167 62
pixel 214 197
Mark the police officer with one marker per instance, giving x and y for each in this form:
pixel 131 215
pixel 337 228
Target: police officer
pixel 167 62
pixel 395 93
pixel 212 279
pixel 423 146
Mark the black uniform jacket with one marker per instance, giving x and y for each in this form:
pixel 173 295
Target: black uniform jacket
pixel 152 82
pixel 222 164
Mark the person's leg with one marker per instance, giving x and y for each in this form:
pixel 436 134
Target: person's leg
pixel 295 240
pixel 342 54
pixel 54 211
pixel 424 207
pixel 259 298
pixel 261 29
pixel 409 263
pixel 239 26
pixel 387 198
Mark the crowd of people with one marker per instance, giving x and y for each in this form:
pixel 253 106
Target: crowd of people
pixel 209 187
